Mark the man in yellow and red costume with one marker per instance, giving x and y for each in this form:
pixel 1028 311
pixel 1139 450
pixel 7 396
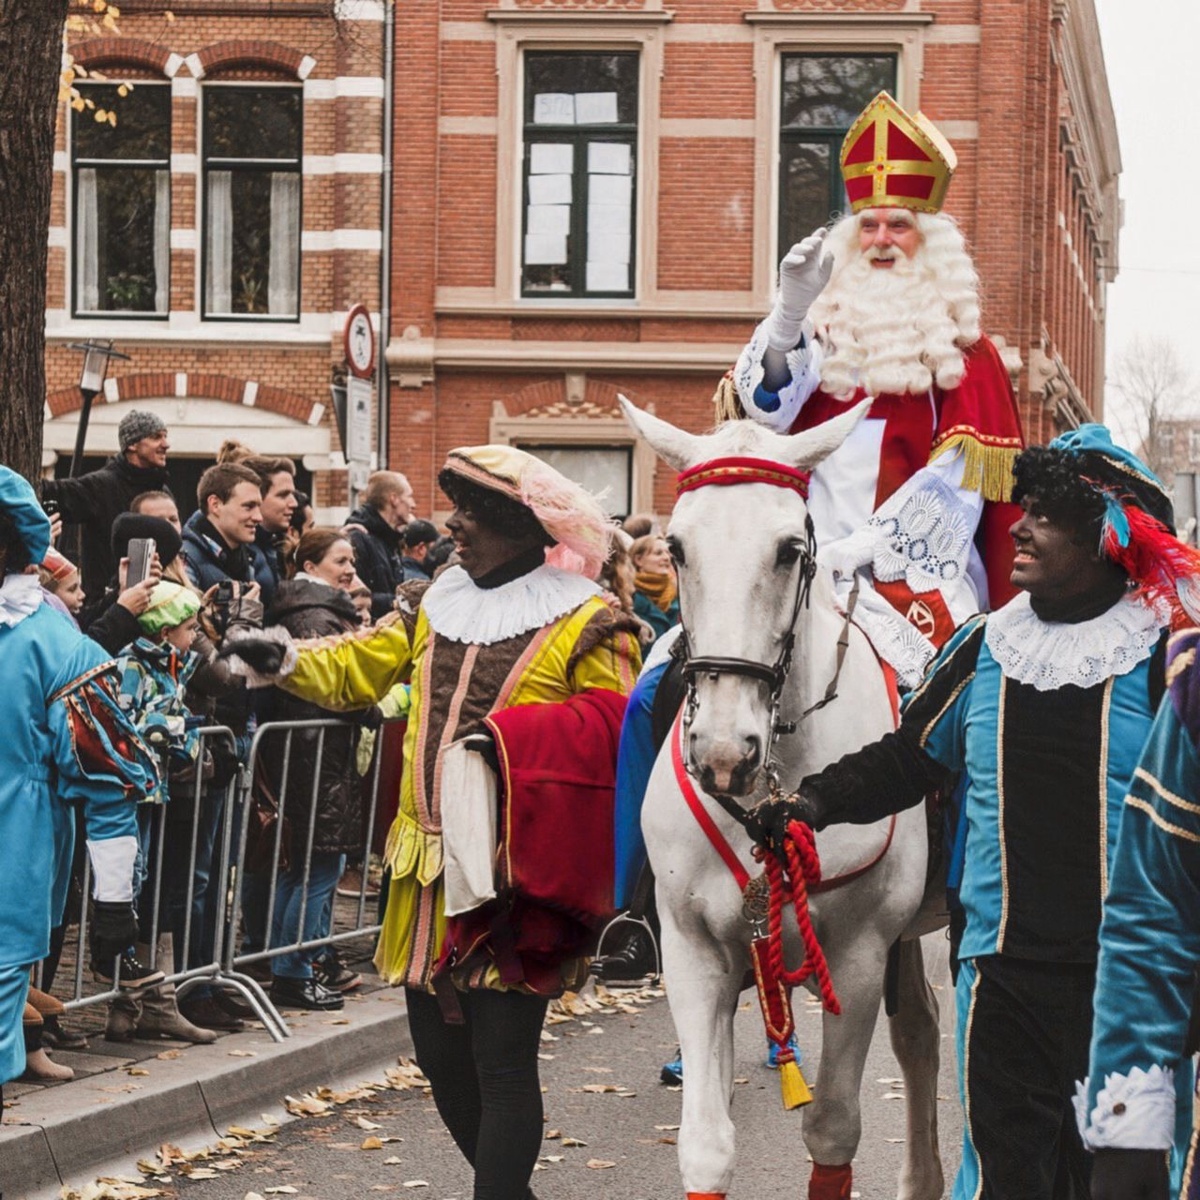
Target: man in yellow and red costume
pixel 886 304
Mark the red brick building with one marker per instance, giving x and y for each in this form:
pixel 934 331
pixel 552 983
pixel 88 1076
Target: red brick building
pixel 221 228
pixel 587 197
pixel 591 197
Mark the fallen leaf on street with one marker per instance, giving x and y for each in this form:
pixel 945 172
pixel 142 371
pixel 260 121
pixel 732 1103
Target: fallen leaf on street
pixel 599 1164
pixel 392 1162
pixel 371 1143
pixel 573 1142
pixel 416 1183
pixel 363 1123
pixel 666 1128
pixel 167 1055
pixel 242 1054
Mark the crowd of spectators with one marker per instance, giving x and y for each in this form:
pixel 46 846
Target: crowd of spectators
pixel 249 554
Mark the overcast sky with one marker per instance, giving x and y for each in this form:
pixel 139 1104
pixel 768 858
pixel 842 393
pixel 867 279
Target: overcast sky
pixel 1150 52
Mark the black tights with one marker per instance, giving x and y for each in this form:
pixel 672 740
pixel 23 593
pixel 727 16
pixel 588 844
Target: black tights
pixel 485 1082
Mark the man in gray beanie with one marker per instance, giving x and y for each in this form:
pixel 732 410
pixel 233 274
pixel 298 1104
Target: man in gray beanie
pixel 96 500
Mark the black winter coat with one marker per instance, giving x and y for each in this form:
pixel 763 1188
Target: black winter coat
pixel 377 558
pixel 95 501
pixel 309 609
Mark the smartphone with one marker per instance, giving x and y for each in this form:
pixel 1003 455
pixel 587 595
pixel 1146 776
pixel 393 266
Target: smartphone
pixel 140 553
pixel 225 592
pixel 49 507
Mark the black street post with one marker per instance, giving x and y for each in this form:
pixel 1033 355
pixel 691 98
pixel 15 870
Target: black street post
pixel 96 355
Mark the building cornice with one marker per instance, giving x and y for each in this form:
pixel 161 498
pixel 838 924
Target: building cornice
pixel 543 18
pixel 891 20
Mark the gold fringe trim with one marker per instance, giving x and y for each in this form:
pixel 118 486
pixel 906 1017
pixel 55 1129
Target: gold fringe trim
pixel 986 469
pixel 726 405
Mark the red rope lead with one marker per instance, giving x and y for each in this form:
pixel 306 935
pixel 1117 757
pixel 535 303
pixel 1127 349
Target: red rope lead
pixel 803 871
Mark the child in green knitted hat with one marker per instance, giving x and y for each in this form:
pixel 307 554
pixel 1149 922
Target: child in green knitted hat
pixel 155 670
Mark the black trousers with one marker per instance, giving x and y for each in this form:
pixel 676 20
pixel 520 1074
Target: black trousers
pixel 484 1075
pixel 1024 1043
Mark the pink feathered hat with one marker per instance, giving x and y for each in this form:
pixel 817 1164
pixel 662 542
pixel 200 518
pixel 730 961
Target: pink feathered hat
pixel 572 516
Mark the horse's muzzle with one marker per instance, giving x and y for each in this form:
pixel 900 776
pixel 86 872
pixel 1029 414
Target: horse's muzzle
pixel 727 769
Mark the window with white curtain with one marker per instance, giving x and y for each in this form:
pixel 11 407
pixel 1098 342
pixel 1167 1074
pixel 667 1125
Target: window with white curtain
pixel 605 471
pixel 252 137
pixel 581 129
pixel 121 174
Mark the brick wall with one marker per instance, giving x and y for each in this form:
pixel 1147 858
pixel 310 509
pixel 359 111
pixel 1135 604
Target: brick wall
pixel 338 64
pixel 992 69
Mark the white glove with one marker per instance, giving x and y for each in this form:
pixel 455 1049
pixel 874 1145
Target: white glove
pixel 803 275
pixel 848 554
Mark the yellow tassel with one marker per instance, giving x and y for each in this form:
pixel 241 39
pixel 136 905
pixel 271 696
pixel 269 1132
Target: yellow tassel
pixel 986 469
pixel 726 404
pixel 791 1082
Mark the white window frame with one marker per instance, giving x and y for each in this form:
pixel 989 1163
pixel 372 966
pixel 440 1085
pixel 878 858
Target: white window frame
pixel 74 311
pixel 518 31
pixel 777 34
pixel 201 285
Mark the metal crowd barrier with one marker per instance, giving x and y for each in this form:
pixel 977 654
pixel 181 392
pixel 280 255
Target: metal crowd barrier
pixel 223 966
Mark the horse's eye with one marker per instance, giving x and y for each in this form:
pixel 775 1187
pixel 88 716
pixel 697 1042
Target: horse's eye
pixel 676 549
pixel 788 553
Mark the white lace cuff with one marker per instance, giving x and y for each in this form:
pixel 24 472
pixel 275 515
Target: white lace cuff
pixel 112 868
pixel 928 541
pixel 894 639
pixel 1133 1112
pixel 803 363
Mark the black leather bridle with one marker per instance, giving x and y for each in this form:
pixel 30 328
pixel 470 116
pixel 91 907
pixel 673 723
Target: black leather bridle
pixel 727 472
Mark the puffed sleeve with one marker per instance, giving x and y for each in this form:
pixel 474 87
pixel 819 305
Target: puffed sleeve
pixel 352 670
pixel 103 764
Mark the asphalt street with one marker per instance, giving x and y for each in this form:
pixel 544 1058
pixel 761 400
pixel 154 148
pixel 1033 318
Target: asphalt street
pixel 610 1124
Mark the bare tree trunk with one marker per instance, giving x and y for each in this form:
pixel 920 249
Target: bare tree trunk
pixel 31 33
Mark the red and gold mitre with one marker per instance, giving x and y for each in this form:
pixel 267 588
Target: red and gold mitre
pixel 892 160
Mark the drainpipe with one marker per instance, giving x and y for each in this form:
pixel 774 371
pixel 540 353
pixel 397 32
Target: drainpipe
pixel 385 264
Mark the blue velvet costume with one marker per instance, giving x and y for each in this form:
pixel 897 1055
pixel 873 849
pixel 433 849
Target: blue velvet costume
pixel 1150 936
pixel 1045 771
pixel 65 741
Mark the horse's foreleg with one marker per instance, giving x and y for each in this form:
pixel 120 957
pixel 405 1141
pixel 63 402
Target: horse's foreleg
pixel 702 988
pixel 833 1122
pixel 916 1042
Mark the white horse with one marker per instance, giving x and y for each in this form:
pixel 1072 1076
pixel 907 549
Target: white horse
pixel 740 552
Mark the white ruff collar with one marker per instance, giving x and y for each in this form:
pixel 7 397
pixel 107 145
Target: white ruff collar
pixel 20 595
pixel 459 610
pixel 1049 655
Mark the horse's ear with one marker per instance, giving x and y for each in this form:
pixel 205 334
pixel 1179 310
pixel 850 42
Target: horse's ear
pixel 807 449
pixel 675 447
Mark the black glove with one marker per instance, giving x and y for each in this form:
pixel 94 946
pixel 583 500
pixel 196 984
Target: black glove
pixel 775 814
pixel 114 929
pixel 369 718
pixel 261 654
pixel 484 745
pixel 225 762
pixel 1131 1175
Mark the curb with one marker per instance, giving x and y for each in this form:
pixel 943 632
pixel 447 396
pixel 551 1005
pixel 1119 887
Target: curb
pixel 72 1133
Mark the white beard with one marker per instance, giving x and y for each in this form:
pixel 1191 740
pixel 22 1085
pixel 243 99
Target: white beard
pixel 888 330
